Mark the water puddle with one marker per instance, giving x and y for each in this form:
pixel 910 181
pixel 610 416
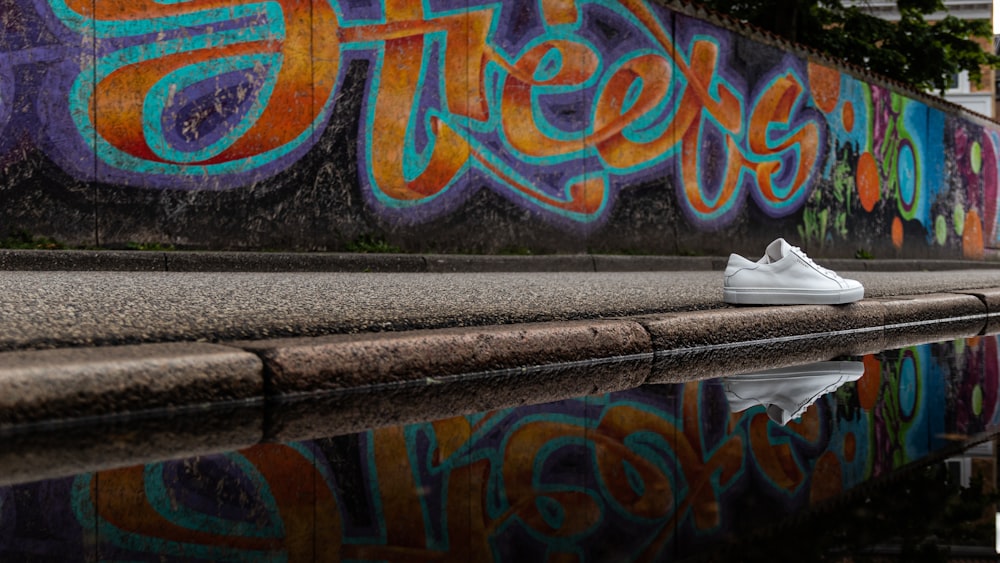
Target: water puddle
pixel 886 454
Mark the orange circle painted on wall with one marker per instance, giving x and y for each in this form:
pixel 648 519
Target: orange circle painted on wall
pixel 847 116
pixel 897 232
pixel 870 383
pixel 868 182
pixel 972 236
pixel 827 478
pixel 824 82
pixel 850 447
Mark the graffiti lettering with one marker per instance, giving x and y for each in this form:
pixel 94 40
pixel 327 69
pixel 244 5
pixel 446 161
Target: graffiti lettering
pixel 230 91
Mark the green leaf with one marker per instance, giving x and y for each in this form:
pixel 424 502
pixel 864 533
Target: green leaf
pixel 923 54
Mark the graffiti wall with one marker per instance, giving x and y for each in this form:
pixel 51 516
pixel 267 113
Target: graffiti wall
pixel 541 125
pixel 650 474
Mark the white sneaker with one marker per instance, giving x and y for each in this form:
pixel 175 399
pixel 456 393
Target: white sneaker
pixel 786 393
pixel 785 276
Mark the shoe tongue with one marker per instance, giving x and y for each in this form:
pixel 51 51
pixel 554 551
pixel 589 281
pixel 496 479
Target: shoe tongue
pixel 778 415
pixel 776 250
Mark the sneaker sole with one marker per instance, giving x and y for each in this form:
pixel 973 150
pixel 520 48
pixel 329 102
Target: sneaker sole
pixel 850 370
pixel 763 296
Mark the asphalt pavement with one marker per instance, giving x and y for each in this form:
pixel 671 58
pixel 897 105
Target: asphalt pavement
pixel 53 309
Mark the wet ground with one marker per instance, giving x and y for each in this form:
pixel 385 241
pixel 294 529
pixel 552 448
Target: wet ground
pixel 887 454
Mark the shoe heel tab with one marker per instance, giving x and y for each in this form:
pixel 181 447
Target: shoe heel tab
pixel 737 260
pixel 737 263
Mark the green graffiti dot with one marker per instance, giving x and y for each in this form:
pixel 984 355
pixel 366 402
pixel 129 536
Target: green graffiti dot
pixel 977 400
pixel 958 218
pixel 976 157
pixel 941 229
pixel 959 347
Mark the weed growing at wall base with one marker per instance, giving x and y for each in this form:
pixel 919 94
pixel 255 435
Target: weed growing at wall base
pixel 23 240
pixel 153 246
pixel 373 244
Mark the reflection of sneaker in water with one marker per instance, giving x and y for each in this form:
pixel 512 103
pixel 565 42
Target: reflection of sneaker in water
pixel 785 276
pixel 788 392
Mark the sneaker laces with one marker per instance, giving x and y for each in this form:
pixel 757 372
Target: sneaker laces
pixel 809 261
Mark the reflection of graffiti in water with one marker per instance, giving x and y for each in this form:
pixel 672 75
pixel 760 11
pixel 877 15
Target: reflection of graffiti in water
pixel 631 475
pixel 215 93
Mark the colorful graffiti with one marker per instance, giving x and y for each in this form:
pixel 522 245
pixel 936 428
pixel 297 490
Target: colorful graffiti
pixel 560 107
pixel 908 166
pixel 643 474
pixel 212 94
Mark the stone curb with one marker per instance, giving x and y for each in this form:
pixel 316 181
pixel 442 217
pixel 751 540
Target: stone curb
pixel 336 414
pixel 197 261
pixel 717 342
pixel 924 319
pixel 991 298
pixel 78 383
pixel 75 383
pixel 342 362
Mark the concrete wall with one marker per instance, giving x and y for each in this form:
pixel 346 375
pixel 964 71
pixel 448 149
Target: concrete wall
pixel 542 125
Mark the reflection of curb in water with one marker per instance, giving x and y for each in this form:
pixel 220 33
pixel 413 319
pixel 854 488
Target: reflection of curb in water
pixel 788 392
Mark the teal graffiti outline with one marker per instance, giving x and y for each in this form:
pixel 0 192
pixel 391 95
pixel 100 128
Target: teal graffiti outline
pixel 192 74
pixel 159 499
